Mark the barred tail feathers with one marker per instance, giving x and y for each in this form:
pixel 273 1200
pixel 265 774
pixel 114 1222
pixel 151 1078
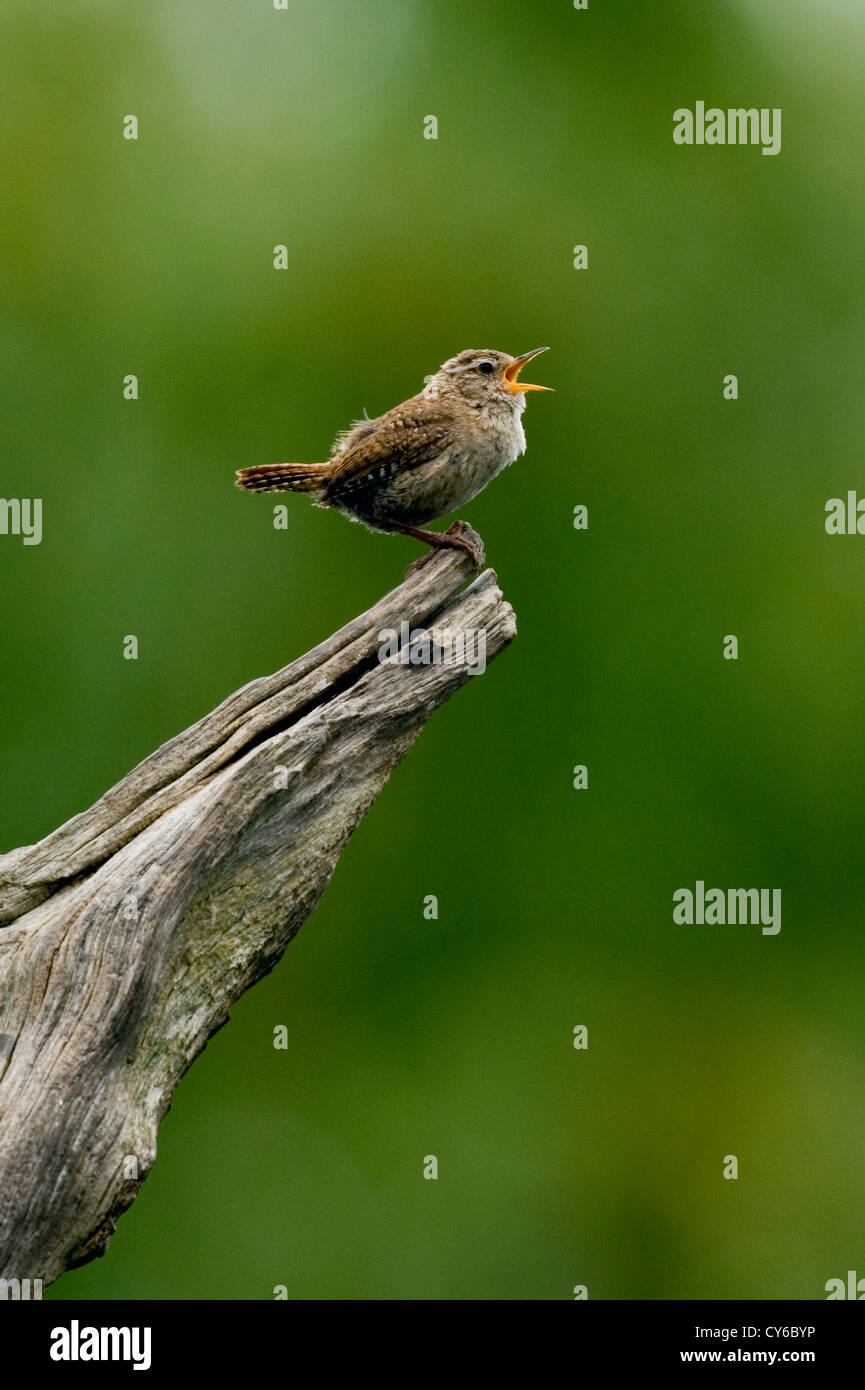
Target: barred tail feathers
pixel 283 477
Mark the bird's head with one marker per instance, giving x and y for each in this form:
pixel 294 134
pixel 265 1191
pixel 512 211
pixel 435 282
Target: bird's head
pixel 482 377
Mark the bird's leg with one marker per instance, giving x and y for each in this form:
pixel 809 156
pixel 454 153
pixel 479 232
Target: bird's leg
pixel 460 536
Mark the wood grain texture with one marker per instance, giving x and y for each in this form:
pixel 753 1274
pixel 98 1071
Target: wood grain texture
pixel 131 930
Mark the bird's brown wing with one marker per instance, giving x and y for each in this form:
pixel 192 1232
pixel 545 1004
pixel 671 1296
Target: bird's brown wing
pixel 358 429
pixel 405 437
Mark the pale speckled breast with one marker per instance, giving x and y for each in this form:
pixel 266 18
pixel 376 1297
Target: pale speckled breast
pixel 481 446
pixel 444 484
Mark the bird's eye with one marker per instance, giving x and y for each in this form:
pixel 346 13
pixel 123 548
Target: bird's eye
pixel 486 367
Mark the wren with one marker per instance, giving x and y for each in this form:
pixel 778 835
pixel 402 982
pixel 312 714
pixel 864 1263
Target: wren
pixel 422 459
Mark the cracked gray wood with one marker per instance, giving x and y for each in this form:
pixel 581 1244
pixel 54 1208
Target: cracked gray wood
pixel 131 930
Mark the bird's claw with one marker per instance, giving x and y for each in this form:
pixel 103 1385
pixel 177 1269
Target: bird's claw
pixel 467 539
pixel 462 537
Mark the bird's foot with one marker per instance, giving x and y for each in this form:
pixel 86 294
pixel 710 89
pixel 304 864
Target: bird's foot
pixel 459 536
pixel 464 537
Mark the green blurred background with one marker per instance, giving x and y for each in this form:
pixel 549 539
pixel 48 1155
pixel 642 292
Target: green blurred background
pixel 706 517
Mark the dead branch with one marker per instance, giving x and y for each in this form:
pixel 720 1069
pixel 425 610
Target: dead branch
pixel 131 930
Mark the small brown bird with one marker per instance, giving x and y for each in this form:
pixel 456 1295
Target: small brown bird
pixel 424 458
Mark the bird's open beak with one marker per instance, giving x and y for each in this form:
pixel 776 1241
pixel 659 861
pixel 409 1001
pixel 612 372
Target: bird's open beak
pixel 512 371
